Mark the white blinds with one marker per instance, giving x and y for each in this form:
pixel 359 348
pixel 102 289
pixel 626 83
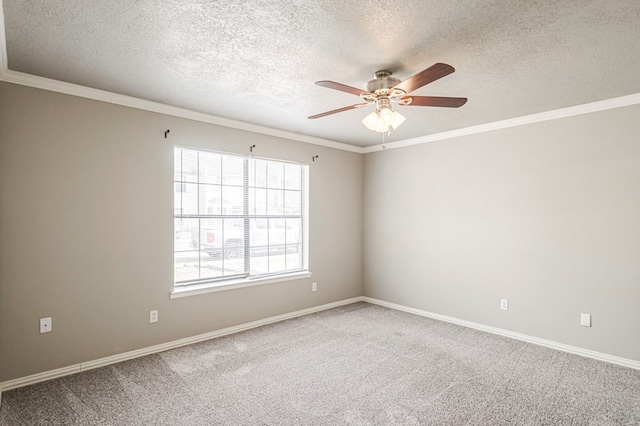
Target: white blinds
pixel 236 216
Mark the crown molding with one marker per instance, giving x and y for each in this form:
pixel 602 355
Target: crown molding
pixel 38 82
pixel 607 104
pixel 104 96
pixel 142 104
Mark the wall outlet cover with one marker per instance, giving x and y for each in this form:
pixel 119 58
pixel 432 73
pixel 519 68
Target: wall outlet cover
pixel 504 304
pixel 46 325
pixel 585 320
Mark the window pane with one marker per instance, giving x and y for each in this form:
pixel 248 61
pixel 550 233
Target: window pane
pixel 275 202
pixel 277 235
pixel 233 253
pixel 186 252
pixel 259 264
pixel 210 167
pixel 178 188
pixel 292 203
pixel 211 237
pixel 294 244
pixel 187 200
pixel 275 174
pixel 210 267
pixel 186 165
pixel 294 231
pixel 209 200
pixel 211 246
pixel 277 245
pixel 257 201
pixel 187 265
pixel 232 170
pixel 177 165
pixel 277 262
pixel 294 257
pixel 292 176
pixel 259 235
pixel 259 246
pixel 258 173
pixel 185 234
pixel 232 200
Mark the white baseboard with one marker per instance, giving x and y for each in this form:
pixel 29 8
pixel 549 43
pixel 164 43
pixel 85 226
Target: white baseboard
pixel 89 365
pixel 625 362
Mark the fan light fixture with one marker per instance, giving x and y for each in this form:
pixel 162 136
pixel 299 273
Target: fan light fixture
pixel 381 119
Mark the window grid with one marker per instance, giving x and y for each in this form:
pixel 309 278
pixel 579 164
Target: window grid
pixel 231 240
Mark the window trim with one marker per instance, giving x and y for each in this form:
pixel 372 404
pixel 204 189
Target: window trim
pixel 220 283
pixel 212 287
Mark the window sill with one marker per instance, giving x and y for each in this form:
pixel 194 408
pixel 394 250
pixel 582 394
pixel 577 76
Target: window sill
pixel 194 290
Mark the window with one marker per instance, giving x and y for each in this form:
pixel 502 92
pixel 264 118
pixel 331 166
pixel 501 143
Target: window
pixel 237 217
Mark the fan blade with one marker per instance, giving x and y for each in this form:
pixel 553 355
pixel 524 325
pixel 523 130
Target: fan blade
pixel 341 87
pixel 425 77
pixel 435 101
pixel 335 111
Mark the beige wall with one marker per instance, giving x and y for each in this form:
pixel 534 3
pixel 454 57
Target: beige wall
pixel 546 215
pixel 86 210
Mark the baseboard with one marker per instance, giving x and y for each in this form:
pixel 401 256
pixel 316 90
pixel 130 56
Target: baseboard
pixel 89 365
pixel 625 362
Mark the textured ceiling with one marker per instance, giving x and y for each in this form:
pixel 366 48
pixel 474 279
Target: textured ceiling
pixel 256 61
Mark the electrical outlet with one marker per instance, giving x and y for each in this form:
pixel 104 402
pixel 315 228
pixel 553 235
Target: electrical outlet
pixel 504 304
pixel 585 320
pixel 314 286
pixel 46 325
pixel 153 316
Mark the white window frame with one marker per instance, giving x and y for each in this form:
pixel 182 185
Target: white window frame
pixel 207 285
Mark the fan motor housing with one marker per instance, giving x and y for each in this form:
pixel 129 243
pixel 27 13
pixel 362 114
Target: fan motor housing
pixel 382 81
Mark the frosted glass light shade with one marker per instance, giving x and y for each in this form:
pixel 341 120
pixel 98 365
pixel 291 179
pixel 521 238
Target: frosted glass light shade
pixel 386 115
pixel 371 120
pixel 398 119
pixel 380 120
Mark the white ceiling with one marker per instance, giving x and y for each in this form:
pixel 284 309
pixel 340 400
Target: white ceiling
pixel 256 61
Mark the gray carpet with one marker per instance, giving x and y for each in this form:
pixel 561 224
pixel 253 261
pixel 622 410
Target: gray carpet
pixel 360 364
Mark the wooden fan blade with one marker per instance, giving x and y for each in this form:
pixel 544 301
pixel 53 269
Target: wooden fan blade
pixel 341 87
pixel 435 101
pixel 335 111
pixel 425 77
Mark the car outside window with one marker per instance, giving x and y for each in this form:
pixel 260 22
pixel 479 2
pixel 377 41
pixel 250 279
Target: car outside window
pixel 237 217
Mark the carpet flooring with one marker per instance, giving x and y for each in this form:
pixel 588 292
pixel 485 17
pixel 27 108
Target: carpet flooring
pixel 359 364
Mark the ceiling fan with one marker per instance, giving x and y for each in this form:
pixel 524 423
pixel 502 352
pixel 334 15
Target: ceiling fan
pixel 385 89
